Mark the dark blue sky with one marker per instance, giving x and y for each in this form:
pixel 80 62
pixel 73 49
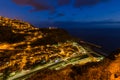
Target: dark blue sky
pixel 61 10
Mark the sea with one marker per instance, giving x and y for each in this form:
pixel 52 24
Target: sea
pixel 104 34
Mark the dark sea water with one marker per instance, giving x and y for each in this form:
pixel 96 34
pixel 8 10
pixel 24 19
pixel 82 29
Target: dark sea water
pixel 106 35
pixel 108 38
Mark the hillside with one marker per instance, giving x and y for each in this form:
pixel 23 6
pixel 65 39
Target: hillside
pixel 26 50
pixel 105 70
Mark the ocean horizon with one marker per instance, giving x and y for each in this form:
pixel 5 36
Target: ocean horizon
pixel 106 35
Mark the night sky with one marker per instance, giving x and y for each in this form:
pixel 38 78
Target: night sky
pixel 35 11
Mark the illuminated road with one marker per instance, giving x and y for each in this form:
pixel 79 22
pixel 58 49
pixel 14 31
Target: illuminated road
pixel 82 56
pixel 50 48
pixel 56 65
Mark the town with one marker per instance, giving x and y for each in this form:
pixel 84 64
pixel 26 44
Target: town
pixel 40 48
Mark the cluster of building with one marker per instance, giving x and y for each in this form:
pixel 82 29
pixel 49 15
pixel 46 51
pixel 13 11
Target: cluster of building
pixel 17 24
pixel 28 55
pixel 37 48
pixel 42 54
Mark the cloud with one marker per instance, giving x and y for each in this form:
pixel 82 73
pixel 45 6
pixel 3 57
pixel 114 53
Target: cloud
pixel 51 5
pixel 56 16
pixel 37 5
pixel 21 2
pixel 60 14
pixel 63 2
pixel 79 3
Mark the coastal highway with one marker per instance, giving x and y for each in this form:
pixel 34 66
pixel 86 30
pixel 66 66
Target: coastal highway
pixel 54 65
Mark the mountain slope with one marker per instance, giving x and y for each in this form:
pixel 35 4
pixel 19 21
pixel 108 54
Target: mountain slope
pixel 25 50
pixel 105 70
